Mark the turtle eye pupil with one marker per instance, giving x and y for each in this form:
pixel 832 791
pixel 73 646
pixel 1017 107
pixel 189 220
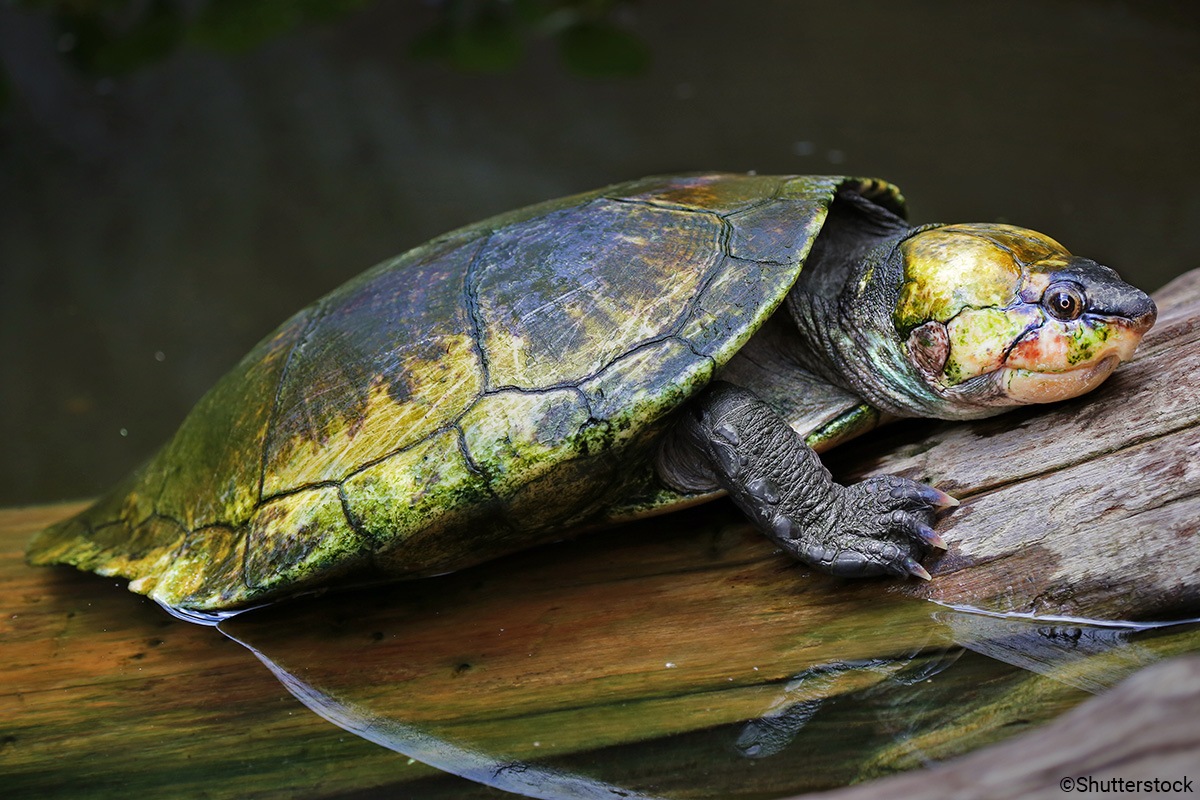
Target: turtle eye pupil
pixel 1064 301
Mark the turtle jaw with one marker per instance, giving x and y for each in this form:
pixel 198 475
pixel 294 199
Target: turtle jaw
pixel 1048 362
pixel 1024 382
pixel 1023 386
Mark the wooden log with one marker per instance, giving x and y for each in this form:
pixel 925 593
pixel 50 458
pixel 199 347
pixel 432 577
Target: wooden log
pixel 644 655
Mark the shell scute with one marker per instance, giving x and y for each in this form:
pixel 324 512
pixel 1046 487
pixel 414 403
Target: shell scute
pixel 422 491
pixel 206 572
pixel 723 316
pixel 384 363
pixel 296 538
pixel 512 437
pixel 209 473
pixel 484 392
pixel 531 445
pixel 779 233
pixel 563 296
pixel 718 194
pixel 644 385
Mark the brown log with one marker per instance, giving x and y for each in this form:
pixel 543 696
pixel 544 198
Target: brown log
pixel 600 650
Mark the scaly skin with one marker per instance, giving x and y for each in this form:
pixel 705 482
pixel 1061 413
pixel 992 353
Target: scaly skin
pixel 877 527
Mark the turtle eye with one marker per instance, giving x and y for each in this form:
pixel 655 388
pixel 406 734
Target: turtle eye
pixel 1063 300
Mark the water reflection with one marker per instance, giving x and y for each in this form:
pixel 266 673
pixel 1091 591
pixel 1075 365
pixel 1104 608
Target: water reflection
pixel 1089 657
pixel 521 776
pixel 682 666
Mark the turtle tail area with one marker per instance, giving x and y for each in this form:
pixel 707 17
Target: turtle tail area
pixel 109 549
pixel 122 536
pixel 115 536
pixel 300 540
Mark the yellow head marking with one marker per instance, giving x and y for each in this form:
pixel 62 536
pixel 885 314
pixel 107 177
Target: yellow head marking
pixel 954 267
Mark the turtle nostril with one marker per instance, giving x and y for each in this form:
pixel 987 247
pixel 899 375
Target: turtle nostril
pixel 1146 319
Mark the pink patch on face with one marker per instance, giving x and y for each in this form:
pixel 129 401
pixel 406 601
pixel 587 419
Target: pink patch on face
pixel 1041 350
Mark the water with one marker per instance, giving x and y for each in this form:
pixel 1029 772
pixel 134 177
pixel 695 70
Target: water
pixel 699 664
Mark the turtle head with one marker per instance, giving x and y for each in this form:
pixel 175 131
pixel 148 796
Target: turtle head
pixel 997 315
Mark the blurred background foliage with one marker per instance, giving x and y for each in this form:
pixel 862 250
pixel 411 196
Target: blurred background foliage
pixel 115 37
pixel 179 176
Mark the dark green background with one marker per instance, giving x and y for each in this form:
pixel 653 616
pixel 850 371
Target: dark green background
pixel 157 219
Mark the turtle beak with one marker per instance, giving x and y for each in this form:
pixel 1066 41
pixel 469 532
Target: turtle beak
pixel 1139 314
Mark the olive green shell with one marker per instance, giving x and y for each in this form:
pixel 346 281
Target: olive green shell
pixel 484 392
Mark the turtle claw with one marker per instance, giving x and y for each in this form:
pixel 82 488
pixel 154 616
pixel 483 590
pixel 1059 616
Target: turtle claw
pixel 888 521
pixel 941 499
pixel 931 496
pixel 915 569
pixel 930 537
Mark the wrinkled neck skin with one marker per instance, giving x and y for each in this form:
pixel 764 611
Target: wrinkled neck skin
pixel 844 305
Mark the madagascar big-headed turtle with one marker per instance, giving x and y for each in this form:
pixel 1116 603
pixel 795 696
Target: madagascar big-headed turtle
pixel 600 357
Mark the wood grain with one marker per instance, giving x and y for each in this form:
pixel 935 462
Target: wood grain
pixel 104 695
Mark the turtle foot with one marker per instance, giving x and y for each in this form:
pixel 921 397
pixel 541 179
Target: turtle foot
pixel 884 526
pixel 732 440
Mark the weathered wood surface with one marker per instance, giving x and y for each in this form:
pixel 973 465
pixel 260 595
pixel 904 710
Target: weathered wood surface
pixel 1143 730
pixel 105 694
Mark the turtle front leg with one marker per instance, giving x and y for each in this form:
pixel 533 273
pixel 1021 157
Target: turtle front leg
pixel 730 439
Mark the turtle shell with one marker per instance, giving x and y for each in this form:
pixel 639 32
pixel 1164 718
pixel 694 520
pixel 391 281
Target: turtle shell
pixel 484 392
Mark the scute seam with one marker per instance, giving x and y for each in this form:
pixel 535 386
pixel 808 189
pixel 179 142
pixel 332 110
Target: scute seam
pixel 272 418
pixel 471 303
pixel 437 431
pixel 291 490
pixel 474 467
pixel 668 206
pixel 355 523
pixel 660 206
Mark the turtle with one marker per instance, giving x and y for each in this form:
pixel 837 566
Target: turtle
pixel 598 358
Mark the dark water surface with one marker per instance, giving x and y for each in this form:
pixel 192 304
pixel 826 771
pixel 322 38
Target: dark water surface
pixel 695 670
pixel 155 225
pixel 830 724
